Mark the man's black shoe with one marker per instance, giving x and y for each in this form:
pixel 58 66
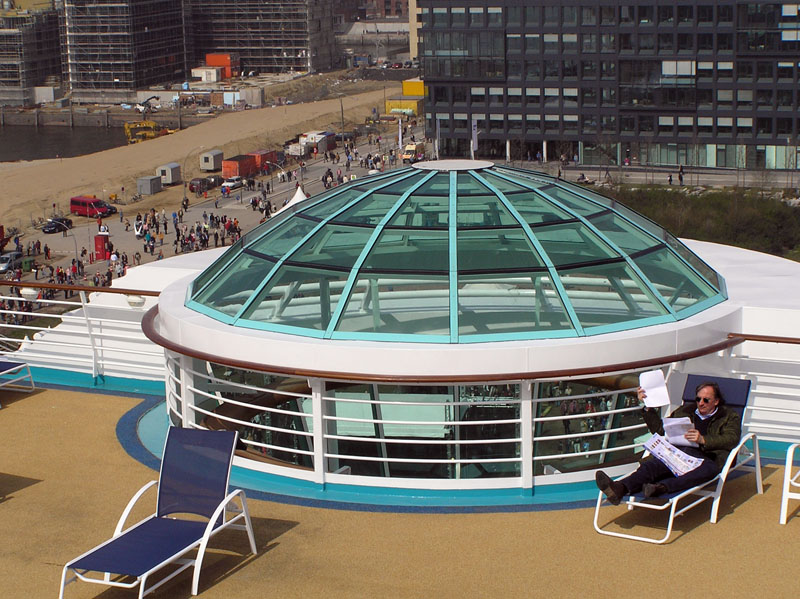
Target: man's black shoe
pixel 653 490
pixel 613 490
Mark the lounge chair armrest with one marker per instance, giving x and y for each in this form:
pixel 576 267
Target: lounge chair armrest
pixel 730 463
pixel 118 530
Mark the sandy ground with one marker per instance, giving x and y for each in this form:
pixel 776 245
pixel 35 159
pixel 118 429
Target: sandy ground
pixel 65 479
pixel 30 188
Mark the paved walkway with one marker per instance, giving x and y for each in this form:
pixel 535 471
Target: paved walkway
pixel 64 480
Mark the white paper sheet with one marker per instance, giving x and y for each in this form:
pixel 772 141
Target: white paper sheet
pixel 673 458
pixel 655 388
pixel 675 430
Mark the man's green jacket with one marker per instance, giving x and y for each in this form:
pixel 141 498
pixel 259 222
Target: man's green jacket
pixel 724 429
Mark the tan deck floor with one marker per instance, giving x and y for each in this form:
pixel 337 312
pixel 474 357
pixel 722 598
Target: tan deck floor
pixel 64 480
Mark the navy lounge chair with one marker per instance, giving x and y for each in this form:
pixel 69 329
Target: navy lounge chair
pixel 736 392
pixel 194 478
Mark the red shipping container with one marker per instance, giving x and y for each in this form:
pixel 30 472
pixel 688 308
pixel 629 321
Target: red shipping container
pixel 242 165
pixel 101 246
pixel 230 63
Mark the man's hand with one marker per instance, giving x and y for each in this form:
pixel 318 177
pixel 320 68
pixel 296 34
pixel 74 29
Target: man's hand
pixel 694 436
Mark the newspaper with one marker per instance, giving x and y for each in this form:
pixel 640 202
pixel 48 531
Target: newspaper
pixel 655 388
pixel 675 430
pixel 673 458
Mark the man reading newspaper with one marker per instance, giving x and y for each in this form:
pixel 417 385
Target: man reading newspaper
pixel 716 431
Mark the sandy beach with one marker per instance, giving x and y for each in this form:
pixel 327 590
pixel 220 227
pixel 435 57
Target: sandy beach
pixel 31 188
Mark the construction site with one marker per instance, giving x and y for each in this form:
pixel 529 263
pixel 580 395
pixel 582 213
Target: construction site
pixel 268 37
pixel 29 56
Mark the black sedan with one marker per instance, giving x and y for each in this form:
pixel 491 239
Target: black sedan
pixel 57 225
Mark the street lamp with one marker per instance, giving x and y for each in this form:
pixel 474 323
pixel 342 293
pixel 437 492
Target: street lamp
pixel 67 231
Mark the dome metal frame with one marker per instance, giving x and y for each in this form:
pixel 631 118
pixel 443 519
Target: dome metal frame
pixel 587 296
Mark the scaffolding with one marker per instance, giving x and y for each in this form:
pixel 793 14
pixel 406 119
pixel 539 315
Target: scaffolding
pixel 29 54
pixel 112 48
pixel 269 36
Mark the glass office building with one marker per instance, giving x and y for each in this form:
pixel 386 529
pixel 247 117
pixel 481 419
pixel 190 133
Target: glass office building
pixel 694 83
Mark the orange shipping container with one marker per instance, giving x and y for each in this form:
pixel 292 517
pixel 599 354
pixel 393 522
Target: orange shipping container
pixel 242 165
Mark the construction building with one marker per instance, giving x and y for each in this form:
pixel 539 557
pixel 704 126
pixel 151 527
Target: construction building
pixel 269 37
pixel 29 55
pixel 112 48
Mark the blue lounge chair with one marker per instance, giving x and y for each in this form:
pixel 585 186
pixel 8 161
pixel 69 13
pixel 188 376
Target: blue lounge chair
pixel 194 478
pixel 736 392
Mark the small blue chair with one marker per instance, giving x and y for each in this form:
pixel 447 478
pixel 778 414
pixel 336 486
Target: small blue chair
pixel 195 472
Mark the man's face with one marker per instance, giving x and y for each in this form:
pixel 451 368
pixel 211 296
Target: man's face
pixel 706 401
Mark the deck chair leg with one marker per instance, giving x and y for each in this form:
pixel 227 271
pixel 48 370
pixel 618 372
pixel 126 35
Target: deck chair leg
pixel 248 524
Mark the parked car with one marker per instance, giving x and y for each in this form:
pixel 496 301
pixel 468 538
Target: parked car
pixel 407 64
pixel 10 261
pixel 57 224
pixel 198 184
pixel 233 183
pixel 397 65
pixel 214 181
pixel 110 208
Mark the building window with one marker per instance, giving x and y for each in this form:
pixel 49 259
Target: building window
pixel 609 96
pixel 569 15
pixel 589 43
pixel 665 15
pixel 705 42
pixel 532 16
pixel 514 96
pixel 725 14
pixel 724 98
pixel 744 71
pixel 459 94
pixel 764 98
pixel 645 15
pixel 589 69
pixel 551 69
pixel 625 15
pixel 685 15
pixel 551 16
pixel 785 99
pixel 458 17
pixel 533 70
pixel 608 43
pixel 608 15
pixel 550 43
pixel 494 16
pixel 626 42
pixel 588 15
pixel 705 125
pixel 666 124
pixel 765 71
pixel 647 43
pixel 476 17
pixel 705 99
pixel 666 43
pixel 514 69
pixel 646 123
pixel 514 15
pixel 608 69
pixel 513 43
pixel 785 71
pixel 570 41
pixel 627 124
pixel 724 42
pixel 685 43
pixel 783 126
pixel 588 97
pixel 570 97
pixel 440 18
pixel 705 15
pixel 569 69
pixel 533 43
pixel 477 95
pixel 764 126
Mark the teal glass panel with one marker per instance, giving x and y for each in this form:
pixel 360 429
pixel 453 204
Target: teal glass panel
pixel 333 245
pixel 603 201
pixel 678 285
pixel 608 294
pixel 486 249
pixel 216 266
pixel 535 210
pixel 299 297
pixel 478 206
pixel 572 243
pixel 398 304
pixel 372 209
pixel 229 291
pixel 704 269
pixel 428 206
pixel 622 233
pixel 415 250
pixel 571 201
pixel 500 304
pixel 284 237
pixel 335 203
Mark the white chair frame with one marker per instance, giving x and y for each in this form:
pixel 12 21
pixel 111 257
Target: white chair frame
pixel 24 375
pixel 711 489
pixel 790 482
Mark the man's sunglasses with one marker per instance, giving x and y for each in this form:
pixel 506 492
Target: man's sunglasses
pixel 702 399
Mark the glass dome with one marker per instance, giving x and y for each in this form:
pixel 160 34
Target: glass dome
pixel 455 251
